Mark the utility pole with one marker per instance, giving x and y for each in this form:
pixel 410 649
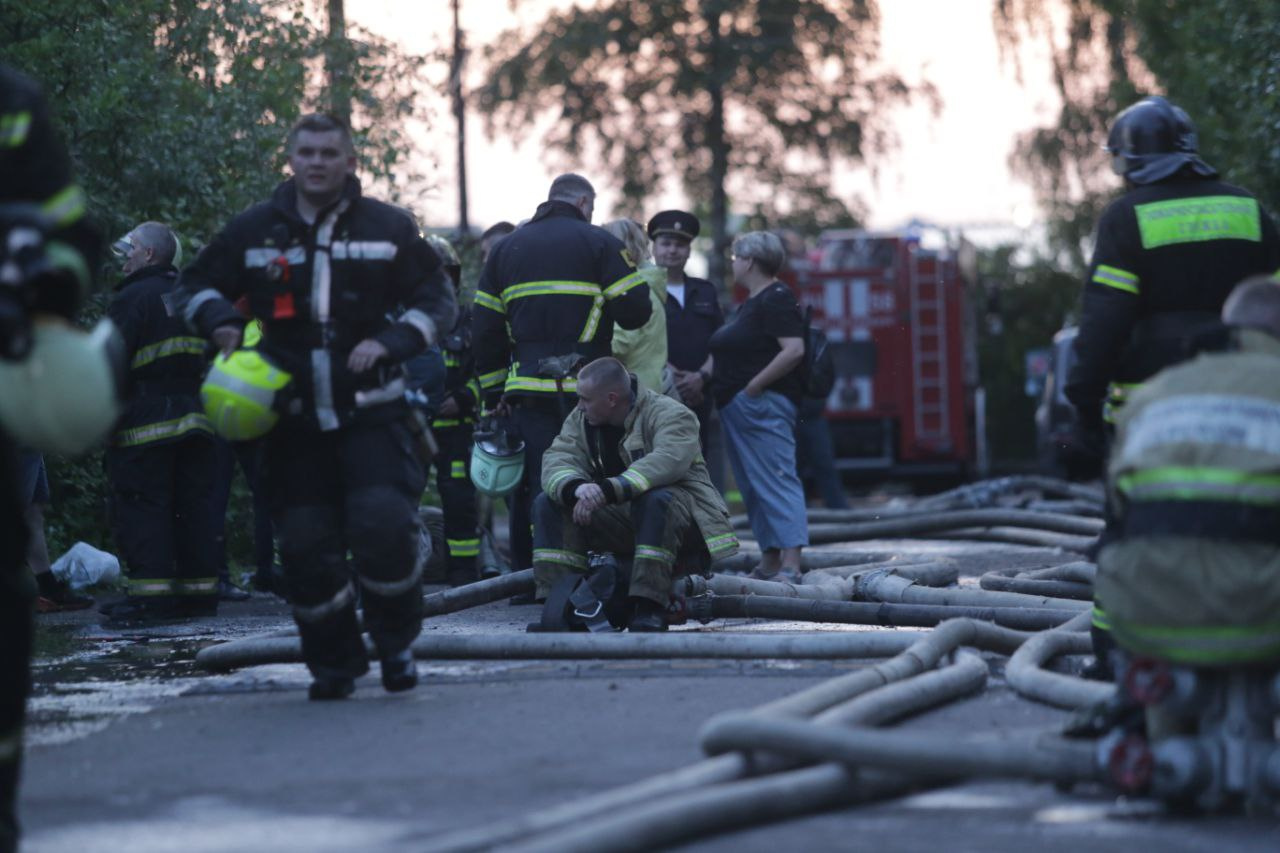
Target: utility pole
pixel 337 58
pixel 459 115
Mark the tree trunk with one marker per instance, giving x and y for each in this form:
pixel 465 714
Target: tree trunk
pixel 337 60
pixel 719 147
pixel 459 115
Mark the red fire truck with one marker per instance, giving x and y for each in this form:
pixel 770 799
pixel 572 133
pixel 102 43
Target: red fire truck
pixel 895 307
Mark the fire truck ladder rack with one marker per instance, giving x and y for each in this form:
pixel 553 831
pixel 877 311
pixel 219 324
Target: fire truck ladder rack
pixel 928 347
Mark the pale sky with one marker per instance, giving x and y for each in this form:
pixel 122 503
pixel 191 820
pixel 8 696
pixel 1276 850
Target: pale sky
pixel 951 170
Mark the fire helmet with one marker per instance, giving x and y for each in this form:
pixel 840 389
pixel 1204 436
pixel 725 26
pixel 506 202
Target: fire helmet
pixel 497 461
pixel 243 394
pixel 1151 140
pixel 65 394
pixel 448 257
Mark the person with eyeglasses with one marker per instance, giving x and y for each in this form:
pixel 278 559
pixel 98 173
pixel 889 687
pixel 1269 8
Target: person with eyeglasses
pixel 758 389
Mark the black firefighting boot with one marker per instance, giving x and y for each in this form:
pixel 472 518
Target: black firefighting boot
pixel 325 688
pixel 647 617
pixel 399 672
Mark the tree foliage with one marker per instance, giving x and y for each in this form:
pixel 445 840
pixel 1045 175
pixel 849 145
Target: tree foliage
pixel 176 110
pixel 764 94
pixel 1218 59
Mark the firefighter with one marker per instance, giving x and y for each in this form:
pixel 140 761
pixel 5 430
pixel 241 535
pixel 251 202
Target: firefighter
pixel 163 460
pixel 626 474
pixel 549 295
pixel 452 426
pixel 693 313
pixel 1167 254
pixel 37 277
pixel 327 271
pixel 1192 573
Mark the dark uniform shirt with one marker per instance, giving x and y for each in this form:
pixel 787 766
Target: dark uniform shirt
pixel 320 289
pixel 1167 256
pixel 749 341
pixel 691 325
pixel 552 287
pixel 166 362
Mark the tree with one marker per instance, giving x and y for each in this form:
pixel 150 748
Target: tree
pixel 176 110
pixel 768 94
pixel 1218 59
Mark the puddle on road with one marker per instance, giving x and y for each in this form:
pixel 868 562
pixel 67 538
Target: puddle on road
pixel 82 679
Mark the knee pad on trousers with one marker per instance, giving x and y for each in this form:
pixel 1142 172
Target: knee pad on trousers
pixel 382 531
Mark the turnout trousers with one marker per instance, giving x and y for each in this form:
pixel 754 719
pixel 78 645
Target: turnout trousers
pixel 165 516
pixel 654 527
pixel 538 420
pixel 17 597
pixel 458 499
pixel 352 489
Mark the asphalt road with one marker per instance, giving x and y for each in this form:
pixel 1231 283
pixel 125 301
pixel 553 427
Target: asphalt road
pixel 132 749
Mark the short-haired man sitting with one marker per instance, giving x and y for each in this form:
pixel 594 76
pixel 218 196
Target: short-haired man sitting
pixel 626 475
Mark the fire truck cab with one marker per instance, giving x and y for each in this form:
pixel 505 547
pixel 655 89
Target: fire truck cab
pixel 895 308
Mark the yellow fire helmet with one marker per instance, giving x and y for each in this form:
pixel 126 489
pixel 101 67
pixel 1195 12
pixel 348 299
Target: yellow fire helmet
pixel 242 394
pixel 65 395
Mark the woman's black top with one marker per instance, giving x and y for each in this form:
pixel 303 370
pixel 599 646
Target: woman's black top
pixel 749 341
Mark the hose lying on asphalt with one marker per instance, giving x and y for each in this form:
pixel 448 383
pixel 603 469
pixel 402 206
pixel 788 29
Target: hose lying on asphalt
pixel 917 524
pixel 1015 580
pixel 987 492
pixel 1025 675
pixel 749 557
pixel 1018 536
pixel 884 586
pixel 480 592
pixel 836 583
pixel 711 606
pixel 572 646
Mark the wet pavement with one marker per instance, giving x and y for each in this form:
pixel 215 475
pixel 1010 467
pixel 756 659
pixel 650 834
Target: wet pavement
pixel 132 748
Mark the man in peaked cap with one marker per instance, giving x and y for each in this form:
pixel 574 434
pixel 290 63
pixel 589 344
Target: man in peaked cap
pixel 693 312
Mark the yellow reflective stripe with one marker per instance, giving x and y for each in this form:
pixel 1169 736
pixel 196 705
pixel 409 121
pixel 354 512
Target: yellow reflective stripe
pixel 1117 395
pixel 458 470
pixel 445 423
pixel 560 477
pixel 593 320
pixel 66 206
pixel 195 586
pixel 168 347
pixel 451 360
pixel 1201 483
pixel 192 422
pixel 652 552
pixel 1217 644
pixel 492 380
pixel 1195 220
pixel 720 544
pixel 639 482
pixel 550 288
pixel 1100 620
pixel 488 300
pixel 531 383
pixel 623 285
pixel 14 128
pixel 556 555
pixel 1117 278
pixel 474 387
pixel 150 586
pixel 463 547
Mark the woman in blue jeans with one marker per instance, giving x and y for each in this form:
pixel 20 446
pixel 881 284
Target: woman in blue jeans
pixel 758 389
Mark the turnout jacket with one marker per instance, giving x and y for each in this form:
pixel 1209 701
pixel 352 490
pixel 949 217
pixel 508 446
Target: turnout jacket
pixel 361 271
pixel 459 364
pixel 659 448
pixel 1193 572
pixel 1166 257
pixel 552 287
pixel 166 362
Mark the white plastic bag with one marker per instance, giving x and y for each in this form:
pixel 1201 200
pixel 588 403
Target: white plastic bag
pixel 84 566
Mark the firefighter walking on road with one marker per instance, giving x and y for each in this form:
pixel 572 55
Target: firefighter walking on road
pixel 550 290
pixel 163 461
pixel 326 269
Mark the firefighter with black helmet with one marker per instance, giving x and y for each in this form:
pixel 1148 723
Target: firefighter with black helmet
pixel 1166 256
pixel 346 290
pixel 548 297
pixel 56 383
